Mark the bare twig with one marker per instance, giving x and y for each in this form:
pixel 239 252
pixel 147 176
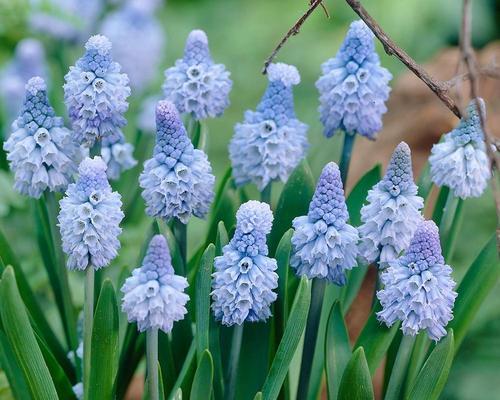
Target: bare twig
pixel 489 71
pixel 323 7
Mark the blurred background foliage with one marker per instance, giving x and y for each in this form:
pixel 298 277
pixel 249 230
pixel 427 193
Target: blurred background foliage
pixel 242 33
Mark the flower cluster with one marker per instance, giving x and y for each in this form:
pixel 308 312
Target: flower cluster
pixel 418 287
pixel 271 141
pixel 324 245
pixel 178 180
pixel 138 41
pixel 393 211
pixel 96 93
pixel 460 161
pixel 154 296
pixel 40 149
pixel 117 154
pixel 195 84
pixel 354 86
pixel 90 218
pixel 244 276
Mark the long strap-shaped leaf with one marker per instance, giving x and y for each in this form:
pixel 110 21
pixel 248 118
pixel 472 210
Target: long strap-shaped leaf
pixel 203 377
pixel 22 340
pixel 12 370
pixel 291 337
pixel 356 383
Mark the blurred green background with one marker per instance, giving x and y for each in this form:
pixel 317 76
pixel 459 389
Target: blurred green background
pixel 242 34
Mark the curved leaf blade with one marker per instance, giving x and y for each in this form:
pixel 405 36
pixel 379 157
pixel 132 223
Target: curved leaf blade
pixel 203 377
pixel 356 382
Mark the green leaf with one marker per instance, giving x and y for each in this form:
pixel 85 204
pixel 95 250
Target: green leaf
pixel 477 283
pixel 202 297
pixel 202 382
pixel 375 338
pixel 433 376
pixel 437 214
pixel 425 181
pixel 283 259
pixel 177 395
pixel 186 374
pixel 22 340
pixel 12 370
pixel 291 338
pixel 222 238
pixel 337 350
pixel 356 383
pixel 132 351
pixel 293 202
pixel 399 368
pixel 357 196
pixel 258 396
pixel 104 348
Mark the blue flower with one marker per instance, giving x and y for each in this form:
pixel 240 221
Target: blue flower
pixel 96 93
pixel 324 245
pixel 460 161
pixel 117 154
pixel 90 218
pixel 271 141
pixel 40 149
pixel 354 87
pixel 393 211
pixel 195 84
pixel 178 180
pixel 418 287
pixel 28 61
pixel 138 41
pixel 244 276
pixel 154 296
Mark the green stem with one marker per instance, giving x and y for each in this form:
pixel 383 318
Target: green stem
pixel 265 195
pixel 88 321
pixel 417 359
pixel 311 335
pixel 452 233
pixel 152 362
pixel 234 358
pixel 398 373
pixel 180 234
pixel 345 157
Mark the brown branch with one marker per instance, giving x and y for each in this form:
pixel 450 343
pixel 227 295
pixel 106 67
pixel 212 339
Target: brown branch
pixel 489 71
pixel 293 31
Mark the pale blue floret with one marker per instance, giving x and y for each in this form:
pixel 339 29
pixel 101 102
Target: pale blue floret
pixel 177 182
pixel 195 84
pixel 90 218
pixel 460 160
pixel 418 287
pixel 153 296
pixel 138 41
pixel 117 154
pixel 354 86
pixel 271 141
pixel 324 245
pixel 96 93
pixel 40 149
pixel 244 277
pixel 393 211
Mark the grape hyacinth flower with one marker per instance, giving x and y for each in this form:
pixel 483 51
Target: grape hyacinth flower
pixel 96 93
pixel 244 277
pixel 138 41
pixel 418 287
pixel 177 181
pixel 28 61
pixel 154 295
pixel 40 149
pixel 460 161
pixel 90 218
pixel 117 154
pixel 393 211
pixel 354 86
pixel 324 245
pixel 271 141
pixel 195 84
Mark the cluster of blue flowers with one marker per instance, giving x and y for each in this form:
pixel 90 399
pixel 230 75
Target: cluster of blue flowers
pixel 244 277
pixel 40 149
pixel 271 141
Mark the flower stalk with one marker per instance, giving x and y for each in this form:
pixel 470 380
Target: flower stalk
pixel 152 362
pixel 88 321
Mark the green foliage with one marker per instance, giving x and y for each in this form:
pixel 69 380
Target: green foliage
pixel 202 381
pixel 356 383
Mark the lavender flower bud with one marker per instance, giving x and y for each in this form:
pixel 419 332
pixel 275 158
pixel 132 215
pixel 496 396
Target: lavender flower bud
pixel 418 287
pixel 460 161
pixel 96 93
pixel 244 277
pixel 117 154
pixel 40 149
pixel 354 87
pixel 393 211
pixel 195 84
pixel 90 217
pixel 271 141
pixel 324 244
pixel 178 180
pixel 154 296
